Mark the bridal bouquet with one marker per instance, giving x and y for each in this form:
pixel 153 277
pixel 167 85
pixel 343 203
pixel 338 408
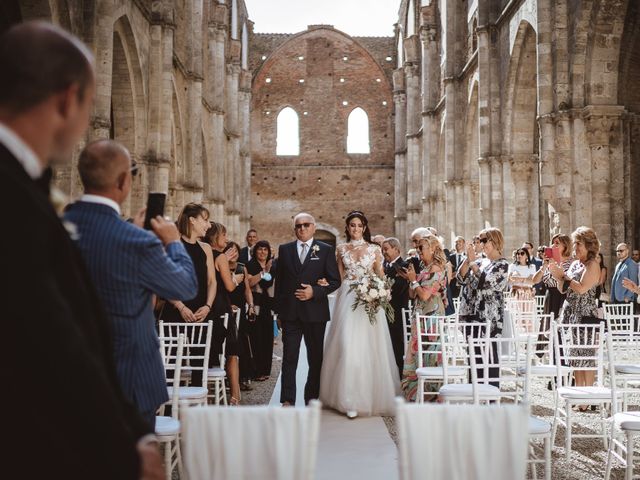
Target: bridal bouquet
pixel 373 293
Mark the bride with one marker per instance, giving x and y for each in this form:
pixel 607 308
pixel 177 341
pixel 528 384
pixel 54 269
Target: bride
pixel 359 373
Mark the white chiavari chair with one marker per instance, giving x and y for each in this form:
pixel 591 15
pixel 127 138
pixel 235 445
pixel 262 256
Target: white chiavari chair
pixel 168 428
pixel 624 423
pixel 512 379
pixel 197 347
pixel 579 347
pixel 433 364
pixel 217 375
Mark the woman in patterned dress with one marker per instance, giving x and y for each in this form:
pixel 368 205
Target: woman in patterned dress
pixel 488 284
pixel 580 283
pixel 429 289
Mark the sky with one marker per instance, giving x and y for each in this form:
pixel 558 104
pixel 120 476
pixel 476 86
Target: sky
pixel 355 17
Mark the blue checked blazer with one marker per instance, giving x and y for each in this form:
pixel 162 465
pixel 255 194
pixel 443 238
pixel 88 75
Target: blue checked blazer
pixel 128 265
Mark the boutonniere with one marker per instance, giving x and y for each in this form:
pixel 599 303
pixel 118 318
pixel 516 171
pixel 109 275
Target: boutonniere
pixel 72 230
pixel 314 252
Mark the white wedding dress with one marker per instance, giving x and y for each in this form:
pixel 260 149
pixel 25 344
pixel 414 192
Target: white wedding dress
pixel 359 372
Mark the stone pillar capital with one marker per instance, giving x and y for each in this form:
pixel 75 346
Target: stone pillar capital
pixel 400 98
pixel 428 34
pixel 398 79
pixel 412 49
pixel 522 164
pixel 235 50
pixel 233 69
pixel 601 122
pixel 412 71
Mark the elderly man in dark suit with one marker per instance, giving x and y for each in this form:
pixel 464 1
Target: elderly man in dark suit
pixel 245 252
pixel 128 266
pixel 399 296
pixel 302 304
pixel 66 407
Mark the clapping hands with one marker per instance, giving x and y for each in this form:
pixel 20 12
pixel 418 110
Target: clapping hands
pixel 630 285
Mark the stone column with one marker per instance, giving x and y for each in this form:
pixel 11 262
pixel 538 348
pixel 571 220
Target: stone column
pixel 233 145
pixel 414 170
pixel 400 191
pixel 604 132
pixel 160 101
pixel 245 150
pixel 522 167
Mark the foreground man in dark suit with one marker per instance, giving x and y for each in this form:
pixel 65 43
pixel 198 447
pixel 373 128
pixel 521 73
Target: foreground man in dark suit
pixel 128 265
pixel 63 401
pixel 302 304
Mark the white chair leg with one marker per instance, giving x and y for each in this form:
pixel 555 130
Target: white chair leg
pixel 167 459
pixel 179 459
pixel 547 458
pixel 607 472
pixel 420 396
pixel 567 436
pixel 629 456
pixel 534 470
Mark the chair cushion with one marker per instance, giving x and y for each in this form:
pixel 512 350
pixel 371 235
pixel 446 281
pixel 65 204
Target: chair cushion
pixel 587 393
pixel 167 426
pixel 189 392
pixel 216 372
pixel 438 372
pixel 627 420
pixel 466 390
pixel 628 369
pixel 537 426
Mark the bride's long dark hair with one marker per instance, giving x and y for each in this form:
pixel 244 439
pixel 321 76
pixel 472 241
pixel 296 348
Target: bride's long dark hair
pixel 366 234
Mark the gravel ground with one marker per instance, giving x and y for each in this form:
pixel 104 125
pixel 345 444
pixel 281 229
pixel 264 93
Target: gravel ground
pixel 588 456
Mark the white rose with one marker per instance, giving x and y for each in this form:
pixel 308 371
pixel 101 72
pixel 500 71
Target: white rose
pixel 383 293
pixel 367 298
pixel 373 293
pixel 362 289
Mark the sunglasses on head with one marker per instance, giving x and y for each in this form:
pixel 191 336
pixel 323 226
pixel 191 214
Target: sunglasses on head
pixel 134 168
pixel 298 226
pixel 483 240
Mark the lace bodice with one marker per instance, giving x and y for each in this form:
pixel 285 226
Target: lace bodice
pixel 358 258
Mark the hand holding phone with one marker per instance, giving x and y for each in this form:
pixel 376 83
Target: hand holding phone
pixel 155 207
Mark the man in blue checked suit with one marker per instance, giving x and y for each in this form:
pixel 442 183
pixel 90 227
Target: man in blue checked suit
pixel 128 266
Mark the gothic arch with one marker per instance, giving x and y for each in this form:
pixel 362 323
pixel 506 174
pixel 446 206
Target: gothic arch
pixel 287 123
pixel 358 132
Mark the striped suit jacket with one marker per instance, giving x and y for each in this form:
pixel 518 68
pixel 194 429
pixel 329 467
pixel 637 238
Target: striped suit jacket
pixel 128 265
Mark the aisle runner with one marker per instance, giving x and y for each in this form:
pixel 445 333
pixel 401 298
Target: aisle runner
pixel 349 449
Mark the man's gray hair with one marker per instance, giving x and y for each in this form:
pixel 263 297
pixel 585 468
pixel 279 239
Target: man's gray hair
pixel 421 232
pixel 303 214
pixel 393 242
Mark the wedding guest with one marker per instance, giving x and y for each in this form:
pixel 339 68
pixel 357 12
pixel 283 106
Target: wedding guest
pixel 226 281
pixel 488 285
pixel 241 297
pixel 261 280
pixel 128 266
pixel 429 290
pixel 554 298
pixel 245 252
pixel 521 273
pixel 399 296
pixel 456 258
pixel 192 223
pixel 602 281
pixel 377 239
pixel 635 256
pixel 67 412
pixel 580 283
pixel 626 268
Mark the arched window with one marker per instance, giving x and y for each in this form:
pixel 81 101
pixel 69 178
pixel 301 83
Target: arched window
pixel 358 132
pixel 287 134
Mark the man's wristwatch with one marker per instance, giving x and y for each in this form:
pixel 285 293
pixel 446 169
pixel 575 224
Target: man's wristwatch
pixel 414 285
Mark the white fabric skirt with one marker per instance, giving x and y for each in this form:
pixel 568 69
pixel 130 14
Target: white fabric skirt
pixel 359 371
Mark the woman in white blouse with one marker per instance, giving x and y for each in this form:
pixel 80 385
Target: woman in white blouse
pixel 521 273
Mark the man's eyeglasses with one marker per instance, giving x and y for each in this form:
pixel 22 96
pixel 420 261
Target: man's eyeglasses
pixel 621 251
pixel 299 226
pixel 134 168
pixel 483 240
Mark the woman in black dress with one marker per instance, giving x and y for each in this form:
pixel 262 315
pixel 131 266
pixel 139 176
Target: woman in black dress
pixel 242 297
pixel 261 278
pixel 193 223
pixel 226 282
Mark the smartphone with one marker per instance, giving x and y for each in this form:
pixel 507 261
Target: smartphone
pixel 155 207
pixel 552 253
pixel 548 252
pixel 239 268
pixel 400 268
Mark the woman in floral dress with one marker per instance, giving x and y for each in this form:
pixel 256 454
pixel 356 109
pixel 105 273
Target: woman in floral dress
pixel 429 291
